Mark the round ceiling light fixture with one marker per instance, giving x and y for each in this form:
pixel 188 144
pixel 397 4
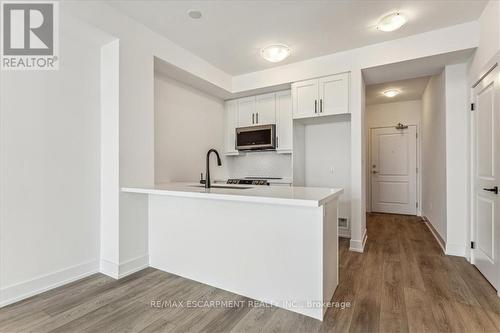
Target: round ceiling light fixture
pixel 391 93
pixel 194 14
pixel 391 22
pixel 275 52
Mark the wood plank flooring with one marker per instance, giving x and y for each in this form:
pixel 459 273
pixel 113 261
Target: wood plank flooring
pixel 402 283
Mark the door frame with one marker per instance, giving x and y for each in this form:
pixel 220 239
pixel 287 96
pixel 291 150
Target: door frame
pixel 419 166
pixel 490 65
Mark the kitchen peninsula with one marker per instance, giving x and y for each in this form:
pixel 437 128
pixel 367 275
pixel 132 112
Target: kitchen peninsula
pixel 275 244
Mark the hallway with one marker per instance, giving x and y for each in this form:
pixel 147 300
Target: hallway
pixel 403 282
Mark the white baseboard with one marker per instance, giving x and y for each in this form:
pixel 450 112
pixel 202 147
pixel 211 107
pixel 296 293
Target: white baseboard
pixel 125 268
pixel 358 245
pixel 109 268
pixel 19 291
pixel 456 250
pixel 433 231
pixel 133 265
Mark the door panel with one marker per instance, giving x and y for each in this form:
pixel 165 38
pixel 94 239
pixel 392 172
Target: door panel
pixel 394 149
pixel 230 123
pixel 485 129
pixel 265 110
pixel 284 122
pixel 393 192
pixel 246 111
pixel 486 229
pixel 334 94
pixel 305 98
pixel 393 170
pixel 486 144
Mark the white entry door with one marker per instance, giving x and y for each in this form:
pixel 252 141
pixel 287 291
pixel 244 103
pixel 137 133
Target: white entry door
pixel 393 170
pixel 486 200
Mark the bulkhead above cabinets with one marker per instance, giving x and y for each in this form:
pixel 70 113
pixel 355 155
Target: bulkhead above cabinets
pixel 324 96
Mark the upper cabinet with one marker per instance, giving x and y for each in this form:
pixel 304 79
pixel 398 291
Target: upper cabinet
pixel 334 94
pixel 284 122
pixel 305 98
pixel 321 97
pixel 257 110
pixel 230 124
pixel 246 111
pixel 265 109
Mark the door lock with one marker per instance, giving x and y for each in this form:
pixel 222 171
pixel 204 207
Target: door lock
pixel 493 189
pixel 374 171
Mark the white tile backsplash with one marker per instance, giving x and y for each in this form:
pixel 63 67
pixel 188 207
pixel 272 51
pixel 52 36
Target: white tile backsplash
pixel 260 164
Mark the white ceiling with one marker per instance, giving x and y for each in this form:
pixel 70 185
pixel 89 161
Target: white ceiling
pixel 411 89
pixel 426 66
pixel 231 33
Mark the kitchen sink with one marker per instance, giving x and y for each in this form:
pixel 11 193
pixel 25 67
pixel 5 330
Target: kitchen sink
pixel 223 186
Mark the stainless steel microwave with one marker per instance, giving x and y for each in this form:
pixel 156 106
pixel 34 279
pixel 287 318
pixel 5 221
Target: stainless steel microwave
pixel 261 137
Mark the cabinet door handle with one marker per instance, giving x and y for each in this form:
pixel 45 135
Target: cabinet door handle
pixel 253 118
pixel 315 106
pixel 321 105
pixel 493 189
pixel 257 118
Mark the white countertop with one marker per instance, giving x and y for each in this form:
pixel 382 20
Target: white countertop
pixel 283 195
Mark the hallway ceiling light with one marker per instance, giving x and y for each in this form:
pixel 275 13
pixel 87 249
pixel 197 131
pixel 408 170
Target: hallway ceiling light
pixel 391 93
pixel 391 22
pixel 275 53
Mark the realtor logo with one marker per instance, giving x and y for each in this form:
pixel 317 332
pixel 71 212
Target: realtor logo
pixel 29 35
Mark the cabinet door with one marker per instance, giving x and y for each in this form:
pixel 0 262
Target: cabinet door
pixel 246 111
pixel 334 94
pixel 305 98
pixel 284 122
pixel 230 123
pixel 265 109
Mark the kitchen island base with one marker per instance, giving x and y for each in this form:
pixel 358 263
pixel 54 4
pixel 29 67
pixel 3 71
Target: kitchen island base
pixel 284 255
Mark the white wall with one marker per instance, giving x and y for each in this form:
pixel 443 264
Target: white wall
pixel 327 151
pixel 434 154
pixel 489 38
pixel 187 124
pixel 110 159
pixel 50 169
pixel 385 115
pixel 457 153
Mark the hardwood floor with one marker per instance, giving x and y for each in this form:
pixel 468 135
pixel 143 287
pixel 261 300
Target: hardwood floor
pixel 403 282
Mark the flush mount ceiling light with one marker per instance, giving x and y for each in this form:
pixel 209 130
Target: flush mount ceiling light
pixel 194 14
pixel 391 93
pixel 391 22
pixel 275 52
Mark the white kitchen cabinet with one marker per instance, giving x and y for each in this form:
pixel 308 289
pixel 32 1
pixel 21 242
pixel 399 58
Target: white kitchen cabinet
pixel 305 98
pixel 265 109
pixel 246 111
pixel 284 122
pixel 230 124
pixel 334 94
pixel 321 97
